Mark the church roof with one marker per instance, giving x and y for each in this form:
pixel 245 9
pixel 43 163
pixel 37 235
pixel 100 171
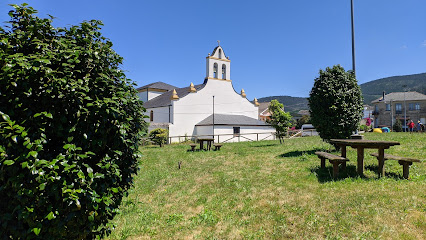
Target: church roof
pixel 227 119
pixel 216 48
pixel 164 99
pixel 158 85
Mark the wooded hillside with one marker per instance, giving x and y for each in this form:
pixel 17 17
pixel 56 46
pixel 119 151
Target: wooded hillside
pixel 370 90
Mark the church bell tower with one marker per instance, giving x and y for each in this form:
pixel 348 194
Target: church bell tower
pixel 218 65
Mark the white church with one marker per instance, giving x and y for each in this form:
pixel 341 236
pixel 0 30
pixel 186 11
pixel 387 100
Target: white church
pixel 212 108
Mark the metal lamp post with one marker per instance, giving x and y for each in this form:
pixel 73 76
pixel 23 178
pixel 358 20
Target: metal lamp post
pixel 213 117
pixel 353 36
pixel 405 107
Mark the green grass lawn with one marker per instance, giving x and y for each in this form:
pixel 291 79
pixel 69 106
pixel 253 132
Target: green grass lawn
pixel 264 190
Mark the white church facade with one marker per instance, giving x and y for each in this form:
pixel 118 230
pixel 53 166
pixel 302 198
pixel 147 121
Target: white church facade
pixel 207 109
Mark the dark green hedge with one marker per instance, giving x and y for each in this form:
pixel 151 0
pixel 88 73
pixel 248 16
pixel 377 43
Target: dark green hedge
pixel 69 129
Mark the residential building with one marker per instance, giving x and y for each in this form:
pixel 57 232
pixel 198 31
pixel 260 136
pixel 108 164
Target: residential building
pixel 399 106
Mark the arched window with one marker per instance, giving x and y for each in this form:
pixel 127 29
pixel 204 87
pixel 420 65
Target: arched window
pixel 151 116
pixel 223 71
pixel 215 70
pixel 220 53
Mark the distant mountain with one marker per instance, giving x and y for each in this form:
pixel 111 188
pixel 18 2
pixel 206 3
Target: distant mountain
pixel 291 104
pixel 374 89
pixel 370 90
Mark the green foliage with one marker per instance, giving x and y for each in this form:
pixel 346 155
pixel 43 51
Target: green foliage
pixel 159 136
pixel 303 120
pixel 69 129
pixel 397 126
pixel 364 128
pixel 335 103
pixel 280 120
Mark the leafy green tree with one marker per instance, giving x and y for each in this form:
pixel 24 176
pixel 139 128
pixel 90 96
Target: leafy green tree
pixel 303 120
pixel 69 129
pixel 280 120
pixel 159 136
pixel 335 103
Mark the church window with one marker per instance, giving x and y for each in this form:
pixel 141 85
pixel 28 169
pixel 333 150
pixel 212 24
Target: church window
pixel 151 116
pixel 223 71
pixel 215 70
pixel 220 53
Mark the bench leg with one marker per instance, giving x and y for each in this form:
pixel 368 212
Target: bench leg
pixel 193 148
pixel 335 170
pixel 343 166
pixel 405 168
pixel 322 162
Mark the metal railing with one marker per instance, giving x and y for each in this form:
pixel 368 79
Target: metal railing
pixel 228 137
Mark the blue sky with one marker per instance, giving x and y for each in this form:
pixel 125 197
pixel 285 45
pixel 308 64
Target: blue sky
pixel 275 47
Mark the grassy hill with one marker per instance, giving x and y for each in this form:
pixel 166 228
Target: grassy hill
pixel 291 104
pixel 370 90
pixel 374 89
pixel 265 190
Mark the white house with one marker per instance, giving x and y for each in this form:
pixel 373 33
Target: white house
pixel 210 108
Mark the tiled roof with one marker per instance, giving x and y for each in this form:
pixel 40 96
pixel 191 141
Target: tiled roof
pixel 263 106
pixel 226 119
pixel 399 96
pixel 158 85
pixel 164 99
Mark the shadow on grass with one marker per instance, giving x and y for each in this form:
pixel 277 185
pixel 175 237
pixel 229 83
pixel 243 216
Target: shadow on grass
pixel 375 168
pixel 267 145
pixel 326 174
pixel 300 153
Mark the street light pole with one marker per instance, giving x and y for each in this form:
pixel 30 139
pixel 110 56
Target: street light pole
pixel 405 106
pixel 213 117
pixel 353 36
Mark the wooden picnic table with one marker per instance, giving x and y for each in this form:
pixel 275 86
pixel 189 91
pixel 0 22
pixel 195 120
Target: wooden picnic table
pixel 208 141
pixel 360 145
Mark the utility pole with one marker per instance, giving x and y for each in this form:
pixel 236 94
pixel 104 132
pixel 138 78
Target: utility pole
pixel 353 37
pixel 405 107
pixel 213 118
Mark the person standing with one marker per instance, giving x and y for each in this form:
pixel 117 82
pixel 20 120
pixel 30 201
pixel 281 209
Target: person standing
pixel 411 125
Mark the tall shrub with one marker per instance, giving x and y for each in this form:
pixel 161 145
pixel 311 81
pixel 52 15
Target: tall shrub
pixel 335 103
pixel 69 129
pixel 397 126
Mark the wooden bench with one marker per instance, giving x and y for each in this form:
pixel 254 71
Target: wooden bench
pixel 217 146
pixel 333 159
pixel 405 162
pixel 193 145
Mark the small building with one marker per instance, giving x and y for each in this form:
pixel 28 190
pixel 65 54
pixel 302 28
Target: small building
pixel 264 113
pixel 210 108
pixel 398 106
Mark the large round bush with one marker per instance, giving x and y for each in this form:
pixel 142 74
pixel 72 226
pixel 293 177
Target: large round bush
pixel 335 103
pixel 69 129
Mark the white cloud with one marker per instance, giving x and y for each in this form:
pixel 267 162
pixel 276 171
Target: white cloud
pixel 404 47
pixel 424 43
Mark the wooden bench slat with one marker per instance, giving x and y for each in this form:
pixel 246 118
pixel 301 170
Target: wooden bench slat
pixel 331 156
pixel 393 157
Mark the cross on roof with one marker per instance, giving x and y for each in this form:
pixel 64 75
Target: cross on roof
pixel 218 42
